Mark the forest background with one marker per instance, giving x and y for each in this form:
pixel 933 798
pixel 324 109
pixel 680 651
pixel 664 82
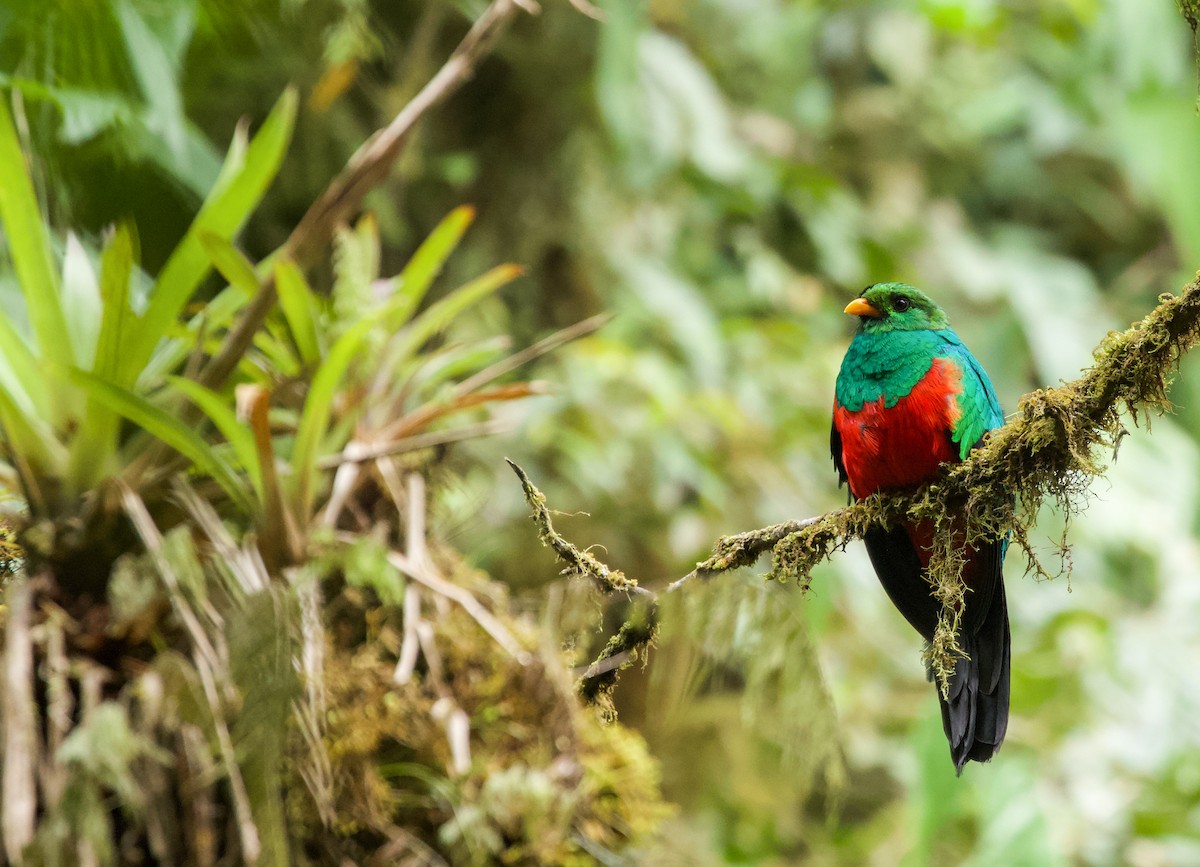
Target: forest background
pixel 719 178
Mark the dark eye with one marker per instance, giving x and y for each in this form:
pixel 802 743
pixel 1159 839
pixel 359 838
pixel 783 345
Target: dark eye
pixel 901 304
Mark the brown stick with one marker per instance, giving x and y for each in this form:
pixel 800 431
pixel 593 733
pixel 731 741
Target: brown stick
pixel 368 167
pixel 19 808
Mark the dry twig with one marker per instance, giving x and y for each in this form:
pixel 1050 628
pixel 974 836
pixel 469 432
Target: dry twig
pixel 358 452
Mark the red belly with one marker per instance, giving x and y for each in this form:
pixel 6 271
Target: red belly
pixel 902 446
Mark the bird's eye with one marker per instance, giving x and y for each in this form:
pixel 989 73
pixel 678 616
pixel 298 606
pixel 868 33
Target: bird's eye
pixel 901 304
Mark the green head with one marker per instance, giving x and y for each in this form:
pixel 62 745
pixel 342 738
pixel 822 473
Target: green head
pixel 896 307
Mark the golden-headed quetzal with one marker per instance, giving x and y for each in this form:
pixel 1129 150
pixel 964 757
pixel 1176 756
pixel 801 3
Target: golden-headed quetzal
pixel 910 396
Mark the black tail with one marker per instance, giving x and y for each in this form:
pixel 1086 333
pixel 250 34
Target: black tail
pixel 975 717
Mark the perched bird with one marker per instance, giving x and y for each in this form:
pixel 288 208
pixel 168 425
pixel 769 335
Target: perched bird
pixel 910 396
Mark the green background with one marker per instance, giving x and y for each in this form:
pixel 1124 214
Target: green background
pixel 722 176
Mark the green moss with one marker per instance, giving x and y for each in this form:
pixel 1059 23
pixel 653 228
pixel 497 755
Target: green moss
pixel 627 646
pixel 548 781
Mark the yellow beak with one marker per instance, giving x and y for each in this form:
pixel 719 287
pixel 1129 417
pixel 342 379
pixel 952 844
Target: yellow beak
pixel 862 307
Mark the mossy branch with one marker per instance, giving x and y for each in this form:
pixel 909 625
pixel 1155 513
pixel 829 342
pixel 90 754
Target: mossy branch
pixel 580 563
pixel 1048 450
pixel 623 649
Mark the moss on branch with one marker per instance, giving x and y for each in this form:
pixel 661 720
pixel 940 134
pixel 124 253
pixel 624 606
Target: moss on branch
pixel 578 562
pixel 1050 449
pixel 624 648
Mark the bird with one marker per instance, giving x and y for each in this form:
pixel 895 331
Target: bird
pixel 910 397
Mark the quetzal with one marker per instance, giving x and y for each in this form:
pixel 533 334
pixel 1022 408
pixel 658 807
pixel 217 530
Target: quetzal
pixel 910 396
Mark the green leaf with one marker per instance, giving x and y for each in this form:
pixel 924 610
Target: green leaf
pixel 166 427
pixel 365 564
pixel 157 77
pixel 81 301
pixel 23 375
pixel 442 313
pixel 318 406
pixel 356 264
pixel 29 247
pixel 228 259
pixel 85 113
pixel 118 322
pixel 225 418
pixel 299 308
pixel 453 363
pixel 182 338
pixel 277 351
pixel 32 442
pixel 94 446
pixel 243 182
pixel 244 280
pixel 428 260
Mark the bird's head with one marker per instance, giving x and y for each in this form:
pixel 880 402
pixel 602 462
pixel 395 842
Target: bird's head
pixel 896 307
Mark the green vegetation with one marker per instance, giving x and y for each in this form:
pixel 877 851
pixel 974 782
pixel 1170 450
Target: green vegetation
pixel 276 591
pixel 178 567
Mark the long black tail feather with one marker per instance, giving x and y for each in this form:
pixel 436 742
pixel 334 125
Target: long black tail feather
pixel 975 716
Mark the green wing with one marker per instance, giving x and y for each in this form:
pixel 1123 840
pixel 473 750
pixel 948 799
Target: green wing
pixel 979 408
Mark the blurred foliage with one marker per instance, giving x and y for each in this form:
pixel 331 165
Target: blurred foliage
pixel 722 176
pixel 211 650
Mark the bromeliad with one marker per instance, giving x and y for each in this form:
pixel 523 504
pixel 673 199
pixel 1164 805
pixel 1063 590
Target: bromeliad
pixel 910 396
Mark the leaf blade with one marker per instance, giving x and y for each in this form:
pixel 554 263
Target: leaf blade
pixel 243 182
pixel 430 257
pixel 29 246
pixel 230 262
pixel 440 314
pixel 166 427
pixel 226 421
pixel 318 406
pixel 299 309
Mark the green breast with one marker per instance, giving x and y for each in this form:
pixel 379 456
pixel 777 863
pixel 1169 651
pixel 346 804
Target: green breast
pixel 888 365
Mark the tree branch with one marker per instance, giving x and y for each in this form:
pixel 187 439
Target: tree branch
pixel 1046 451
pixel 367 168
pixel 578 562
